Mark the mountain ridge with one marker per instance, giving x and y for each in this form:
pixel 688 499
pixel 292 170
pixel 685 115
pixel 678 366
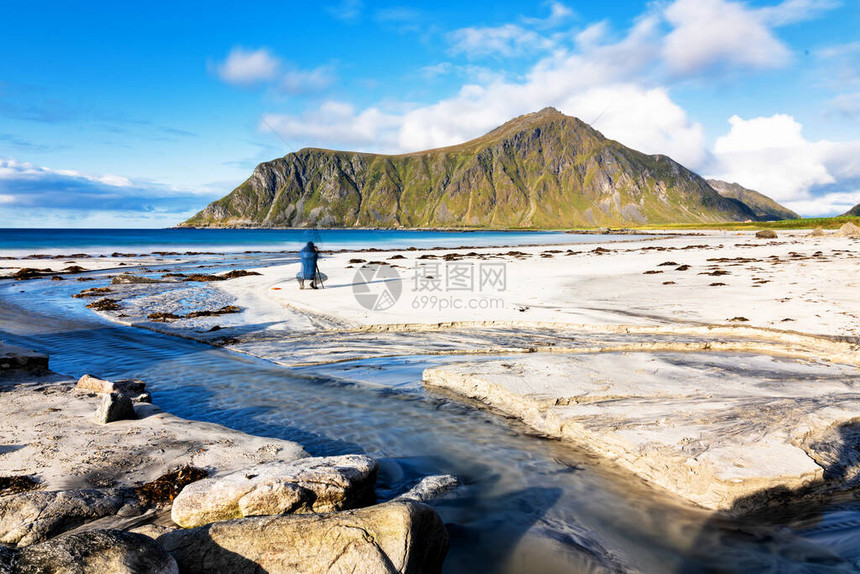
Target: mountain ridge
pixel 539 170
pixel 765 208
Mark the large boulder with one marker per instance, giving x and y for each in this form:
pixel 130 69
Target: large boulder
pixel 96 552
pixel 395 537
pixel 32 517
pixel 306 485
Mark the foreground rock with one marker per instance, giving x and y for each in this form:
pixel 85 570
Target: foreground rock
pixel 319 484
pixel 31 517
pixel 726 431
pixel 394 537
pixel 97 551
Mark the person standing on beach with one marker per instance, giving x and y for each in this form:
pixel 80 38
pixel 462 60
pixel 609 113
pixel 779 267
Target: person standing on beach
pixel 309 256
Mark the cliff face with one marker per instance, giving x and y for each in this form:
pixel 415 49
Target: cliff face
pixel 541 170
pixel 764 207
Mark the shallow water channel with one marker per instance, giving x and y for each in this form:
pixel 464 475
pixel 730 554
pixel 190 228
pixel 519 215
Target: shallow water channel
pixel 527 504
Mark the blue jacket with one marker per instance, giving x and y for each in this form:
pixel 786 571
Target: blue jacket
pixel 309 263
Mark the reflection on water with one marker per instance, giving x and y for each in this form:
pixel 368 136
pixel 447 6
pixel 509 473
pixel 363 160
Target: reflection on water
pixel 526 505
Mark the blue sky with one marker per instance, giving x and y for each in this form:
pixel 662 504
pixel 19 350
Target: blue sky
pixel 122 114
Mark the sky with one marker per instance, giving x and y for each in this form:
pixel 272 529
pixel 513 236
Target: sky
pixel 119 114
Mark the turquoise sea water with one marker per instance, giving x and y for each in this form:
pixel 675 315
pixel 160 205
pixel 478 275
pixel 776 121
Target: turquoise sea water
pixel 19 242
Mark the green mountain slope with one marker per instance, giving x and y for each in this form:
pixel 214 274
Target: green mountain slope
pixel 764 207
pixel 541 170
pixel 855 211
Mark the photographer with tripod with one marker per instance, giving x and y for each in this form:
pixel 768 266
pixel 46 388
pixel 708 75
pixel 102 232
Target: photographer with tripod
pixel 310 271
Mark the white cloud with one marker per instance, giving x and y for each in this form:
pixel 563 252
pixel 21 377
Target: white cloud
pixel 558 14
pixel 644 119
pixel 46 194
pixel 711 34
pixel 508 40
pixel 346 10
pixel 585 84
pixel 828 204
pixel 257 67
pixel 772 156
pixel 794 11
pixel 336 124
pixel 295 81
pixel 249 67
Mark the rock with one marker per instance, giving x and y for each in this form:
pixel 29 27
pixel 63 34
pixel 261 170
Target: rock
pixel 96 551
pixel 125 386
pixel 115 407
pixel 236 273
pixel 127 278
pixel 430 487
pixel 16 359
pixel 817 232
pixel 848 230
pixel 105 304
pixel 306 485
pixel 395 537
pixel 727 431
pixel 32 517
pixel 29 273
pixel 766 234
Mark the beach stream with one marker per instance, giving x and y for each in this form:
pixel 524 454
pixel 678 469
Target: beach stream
pixel 526 504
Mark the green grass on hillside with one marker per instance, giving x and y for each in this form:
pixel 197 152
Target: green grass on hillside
pixel 811 223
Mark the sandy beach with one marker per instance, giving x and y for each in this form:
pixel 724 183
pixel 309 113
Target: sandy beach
pixel 717 368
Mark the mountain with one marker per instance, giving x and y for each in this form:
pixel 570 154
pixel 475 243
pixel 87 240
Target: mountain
pixel 855 211
pixel 540 170
pixel 764 207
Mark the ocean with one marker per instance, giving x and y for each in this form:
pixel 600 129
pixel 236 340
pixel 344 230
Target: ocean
pixel 21 242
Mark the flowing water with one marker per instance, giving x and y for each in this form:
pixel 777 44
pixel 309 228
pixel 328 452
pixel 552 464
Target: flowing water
pixel 526 505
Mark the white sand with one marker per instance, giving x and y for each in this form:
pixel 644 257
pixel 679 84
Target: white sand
pixel 817 294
